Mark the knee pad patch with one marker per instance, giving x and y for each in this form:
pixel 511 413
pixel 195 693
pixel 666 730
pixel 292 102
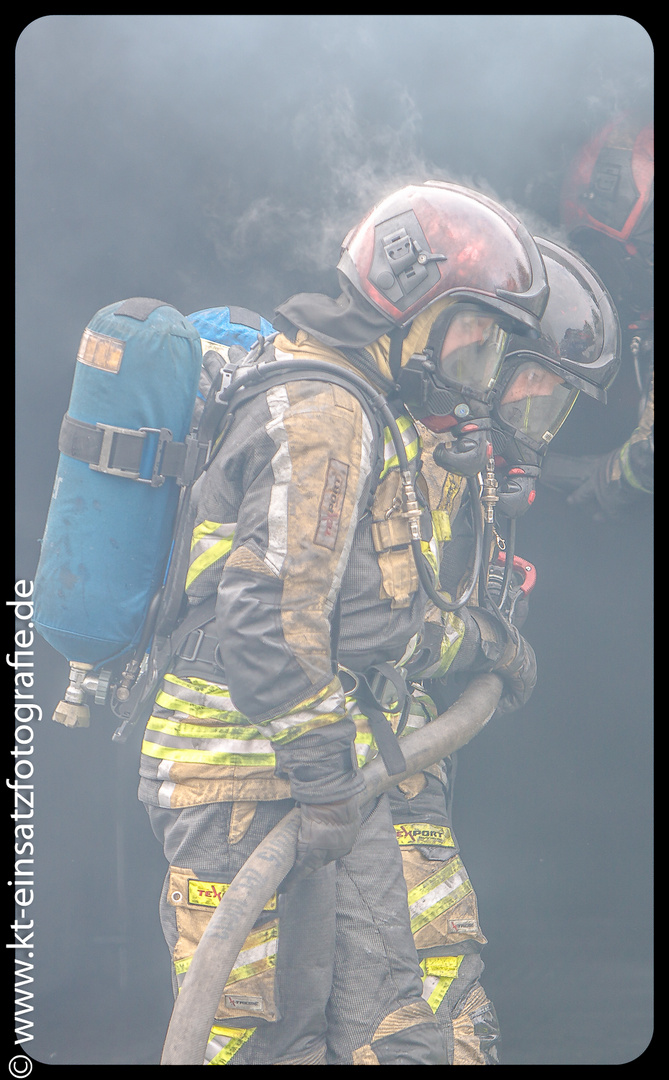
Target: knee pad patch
pixel 409 1035
pixel 475 1031
pixel 250 988
pixel 442 901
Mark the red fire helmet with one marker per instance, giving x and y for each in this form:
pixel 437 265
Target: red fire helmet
pixel 609 185
pixel 437 239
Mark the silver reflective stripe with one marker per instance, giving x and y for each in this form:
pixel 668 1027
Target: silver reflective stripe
pixel 224 1044
pixel 165 792
pixel 365 469
pixel 277 547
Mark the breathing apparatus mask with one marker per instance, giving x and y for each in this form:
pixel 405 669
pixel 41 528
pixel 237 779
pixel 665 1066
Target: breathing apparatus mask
pixel 531 401
pixel 502 400
pixel 579 351
pixel 448 386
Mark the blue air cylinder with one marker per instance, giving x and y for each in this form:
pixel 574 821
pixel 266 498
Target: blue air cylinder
pixel 109 527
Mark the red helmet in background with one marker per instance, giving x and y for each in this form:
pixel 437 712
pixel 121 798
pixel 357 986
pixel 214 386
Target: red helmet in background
pixel 609 185
pixel 607 207
pixel 437 239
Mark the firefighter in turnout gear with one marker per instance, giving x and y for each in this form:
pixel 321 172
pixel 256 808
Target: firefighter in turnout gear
pixel 305 604
pixel 532 397
pixel 607 205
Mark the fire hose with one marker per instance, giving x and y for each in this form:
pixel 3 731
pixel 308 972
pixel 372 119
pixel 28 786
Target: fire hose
pixel 257 881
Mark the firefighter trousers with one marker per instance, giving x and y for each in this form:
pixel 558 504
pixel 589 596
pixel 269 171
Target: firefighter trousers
pixel 288 998
pixel 443 911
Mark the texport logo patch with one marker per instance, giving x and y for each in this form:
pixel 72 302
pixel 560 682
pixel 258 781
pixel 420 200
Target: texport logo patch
pixel 424 834
pixel 331 504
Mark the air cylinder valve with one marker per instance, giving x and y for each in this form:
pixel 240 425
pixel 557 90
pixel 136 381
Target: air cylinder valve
pixel 73 711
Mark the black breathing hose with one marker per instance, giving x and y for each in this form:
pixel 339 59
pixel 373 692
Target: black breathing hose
pixel 509 552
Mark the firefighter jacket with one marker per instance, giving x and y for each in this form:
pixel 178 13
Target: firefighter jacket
pixel 299 539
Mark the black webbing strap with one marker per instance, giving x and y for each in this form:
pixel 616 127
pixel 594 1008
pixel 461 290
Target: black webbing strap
pixel 120 451
pixel 386 739
pixel 245 317
pixel 140 307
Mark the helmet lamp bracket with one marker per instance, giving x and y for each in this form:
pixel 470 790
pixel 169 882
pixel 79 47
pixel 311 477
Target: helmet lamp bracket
pixel 402 262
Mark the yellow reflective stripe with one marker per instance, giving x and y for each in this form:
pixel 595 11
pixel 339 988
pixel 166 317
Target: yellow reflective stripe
pixel 628 472
pixel 438 974
pixel 258 954
pixel 201 685
pixel 421 709
pixel 206 757
pixel 205 530
pixel 454 632
pixel 207 558
pixel 409 651
pixel 431 553
pixel 365 745
pixel 453 484
pixel 256 967
pixel 438 893
pixel 207 536
pixel 173 740
pixel 224 1043
pixel 190 696
pixel 441 524
pixel 410 440
pixel 184 729
pixel 190 708
pixel 316 711
pixel 294 729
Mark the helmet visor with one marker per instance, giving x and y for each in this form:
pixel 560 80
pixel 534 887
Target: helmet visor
pixel 536 401
pixel 472 351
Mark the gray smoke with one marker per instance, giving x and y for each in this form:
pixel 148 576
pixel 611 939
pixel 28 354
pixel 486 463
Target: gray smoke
pixel 221 159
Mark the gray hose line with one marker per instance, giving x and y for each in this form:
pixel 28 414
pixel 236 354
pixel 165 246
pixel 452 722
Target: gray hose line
pixel 257 881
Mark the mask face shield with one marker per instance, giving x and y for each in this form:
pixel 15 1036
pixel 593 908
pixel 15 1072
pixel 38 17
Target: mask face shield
pixel 534 403
pixel 471 352
pixel 454 376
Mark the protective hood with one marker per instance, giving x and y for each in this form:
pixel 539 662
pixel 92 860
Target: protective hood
pixel 309 341
pixel 348 321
